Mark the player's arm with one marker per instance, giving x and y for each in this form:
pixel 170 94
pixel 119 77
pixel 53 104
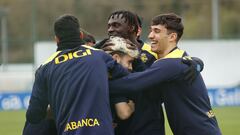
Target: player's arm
pixel 37 108
pixel 161 71
pixel 124 107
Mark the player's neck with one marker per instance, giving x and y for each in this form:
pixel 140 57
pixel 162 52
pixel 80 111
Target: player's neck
pixel 166 51
pixel 134 41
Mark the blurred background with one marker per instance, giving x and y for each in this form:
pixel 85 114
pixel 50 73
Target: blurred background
pixel 212 33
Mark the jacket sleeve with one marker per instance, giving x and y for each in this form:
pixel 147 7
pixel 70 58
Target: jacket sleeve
pixel 161 71
pixel 138 65
pixel 39 100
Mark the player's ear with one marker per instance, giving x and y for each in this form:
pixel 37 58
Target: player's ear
pixel 56 39
pixel 116 57
pixel 139 32
pixel 81 35
pixel 173 36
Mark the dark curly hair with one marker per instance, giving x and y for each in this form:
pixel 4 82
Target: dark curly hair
pixel 130 17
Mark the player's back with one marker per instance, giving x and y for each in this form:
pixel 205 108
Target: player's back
pixel 188 106
pixel 77 81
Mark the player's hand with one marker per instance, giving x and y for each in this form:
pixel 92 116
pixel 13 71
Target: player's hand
pixel 192 71
pixel 130 45
pixel 49 113
pixel 131 105
pixel 114 125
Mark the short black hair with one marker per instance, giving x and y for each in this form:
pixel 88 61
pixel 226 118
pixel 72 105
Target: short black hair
pixel 66 26
pixel 130 17
pixel 171 21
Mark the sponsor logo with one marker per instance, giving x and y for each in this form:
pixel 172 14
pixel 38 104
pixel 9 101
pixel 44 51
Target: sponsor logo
pixel 144 57
pixel 71 55
pixel 87 122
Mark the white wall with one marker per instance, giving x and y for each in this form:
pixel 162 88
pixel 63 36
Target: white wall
pixel 42 51
pixel 16 78
pixel 221 59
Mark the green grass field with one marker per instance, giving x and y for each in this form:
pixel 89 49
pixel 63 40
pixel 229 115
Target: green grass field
pixel 11 122
pixel 228 120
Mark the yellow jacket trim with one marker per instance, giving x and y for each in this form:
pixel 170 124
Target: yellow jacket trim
pixel 51 57
pixel 177 53
pixel 89 47
pixel 147 48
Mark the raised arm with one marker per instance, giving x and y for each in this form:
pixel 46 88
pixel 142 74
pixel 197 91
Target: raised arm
pixel 161 71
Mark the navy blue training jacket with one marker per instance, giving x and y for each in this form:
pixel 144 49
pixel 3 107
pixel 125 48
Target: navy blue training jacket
pixel 75 84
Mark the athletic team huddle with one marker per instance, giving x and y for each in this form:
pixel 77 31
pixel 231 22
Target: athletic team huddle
pixel 120 85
